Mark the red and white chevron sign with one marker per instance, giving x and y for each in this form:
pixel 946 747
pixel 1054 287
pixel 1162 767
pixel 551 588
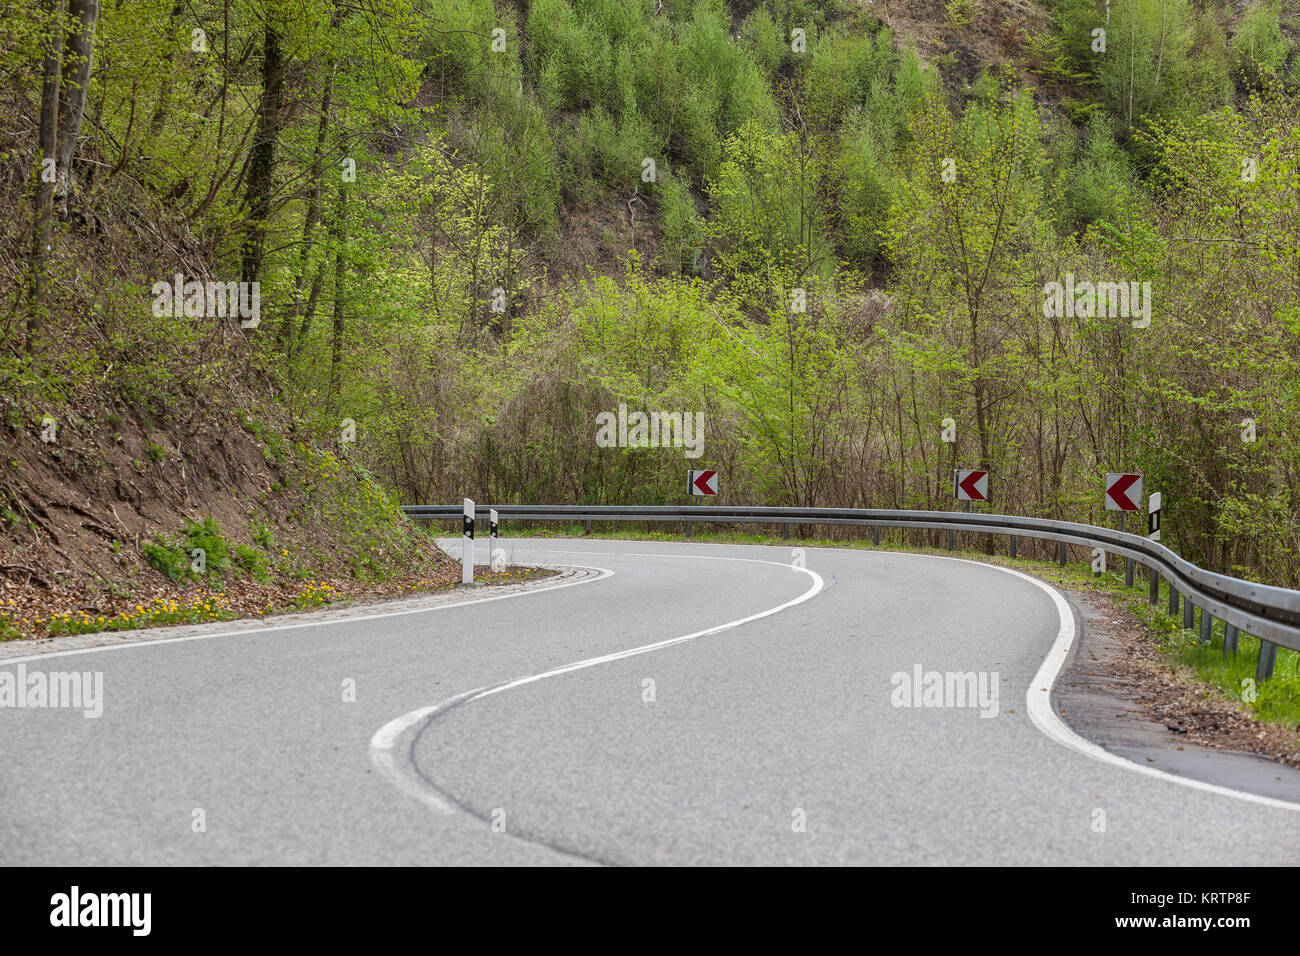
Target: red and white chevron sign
pixel 1123 492
pixel 969 485
pixel 702 482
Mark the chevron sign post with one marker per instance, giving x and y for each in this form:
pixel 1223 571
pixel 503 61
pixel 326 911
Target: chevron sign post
pixel 702 482
pixel 968 485
pixel 1123 492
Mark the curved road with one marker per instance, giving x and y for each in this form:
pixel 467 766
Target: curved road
pixel 682 704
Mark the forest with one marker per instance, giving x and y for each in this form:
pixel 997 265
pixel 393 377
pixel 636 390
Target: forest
pixel 866 243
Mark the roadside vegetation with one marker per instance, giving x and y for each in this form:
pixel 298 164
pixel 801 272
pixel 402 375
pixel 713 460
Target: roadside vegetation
pixel 828 226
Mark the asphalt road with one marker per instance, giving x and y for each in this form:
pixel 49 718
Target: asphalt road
pixel 759 727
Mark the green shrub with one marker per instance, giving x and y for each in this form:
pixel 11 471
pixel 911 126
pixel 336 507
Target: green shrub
pixel 206 534
pixel 170 559
pixel 262 535
pixel 679 224
pixel 252 562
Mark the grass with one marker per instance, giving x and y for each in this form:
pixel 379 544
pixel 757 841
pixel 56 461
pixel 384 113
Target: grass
pixel 1276 700
pixel 9 631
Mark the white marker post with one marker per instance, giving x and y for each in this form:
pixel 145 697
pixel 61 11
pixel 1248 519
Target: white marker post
pixel 467 554
pixel 492 544
pixel 1153 576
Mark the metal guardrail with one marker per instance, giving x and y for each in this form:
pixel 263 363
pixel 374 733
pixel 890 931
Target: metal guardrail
pixel 1269 613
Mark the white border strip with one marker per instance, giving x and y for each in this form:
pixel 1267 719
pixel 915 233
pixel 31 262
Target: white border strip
pixel 1038 700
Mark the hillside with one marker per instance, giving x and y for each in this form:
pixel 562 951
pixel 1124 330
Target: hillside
pixel 828 228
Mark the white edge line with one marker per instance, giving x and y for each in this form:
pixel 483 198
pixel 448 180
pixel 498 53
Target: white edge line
pixel 604 573
pixel 384 742
pixel 1038 700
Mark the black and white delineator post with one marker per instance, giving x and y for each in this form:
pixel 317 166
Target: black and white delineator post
pixel 492 523
pixel 467 554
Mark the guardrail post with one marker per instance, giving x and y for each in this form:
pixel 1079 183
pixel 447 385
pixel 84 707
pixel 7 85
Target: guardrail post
pixel 1062 552
pixel 1189 612
pixel 875 535
pixel 1229 639
pixel 1173 598
pixel 952 540
pixel 587 528
pixel 688 530
pixel 785 530
pixel 1207 627
pixel 1128 572
pixel 1013 546
pixel 1153 577
pixel 1267 657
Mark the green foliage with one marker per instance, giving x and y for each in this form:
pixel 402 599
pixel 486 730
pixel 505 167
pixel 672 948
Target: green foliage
pixel 1259 49
pixel 960 12
pixel 442 299
pixel 1148 68
pixel 843 71
pixel 252 562
pixel 763 39
pixel 862 181
pixel 263 536
pixel 170 559
pixel 174 556
pixel 766 217
pixel 1096 179
pixel 206 534
pixel 679 223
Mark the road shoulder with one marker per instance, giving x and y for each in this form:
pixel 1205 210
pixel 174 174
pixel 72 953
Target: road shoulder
pixel 1119 693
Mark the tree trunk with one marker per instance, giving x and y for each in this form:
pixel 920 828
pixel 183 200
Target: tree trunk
pixel 48 141
pixel 312 215
pixel 261 164
pixel 78 57
pixel 164 103
pixel 339 231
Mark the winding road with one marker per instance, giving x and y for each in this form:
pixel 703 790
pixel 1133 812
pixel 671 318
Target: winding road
pixel 673 704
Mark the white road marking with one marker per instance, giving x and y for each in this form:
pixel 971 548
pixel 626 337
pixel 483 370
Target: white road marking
pixel 384 743
pixel 1038 696
pixel 1038 699
pixel 604 573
